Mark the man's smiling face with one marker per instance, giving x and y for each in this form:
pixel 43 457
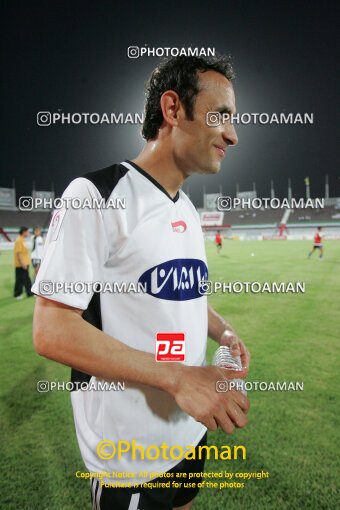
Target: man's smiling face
pixel 199 147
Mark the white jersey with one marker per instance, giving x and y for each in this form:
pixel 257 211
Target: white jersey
pixel 155 241
pixel 37 248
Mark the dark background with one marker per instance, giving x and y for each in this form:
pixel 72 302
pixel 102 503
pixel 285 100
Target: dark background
pixel 73 56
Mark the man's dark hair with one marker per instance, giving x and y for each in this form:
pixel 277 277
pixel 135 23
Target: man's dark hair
pixel 22 230
pixel 179 74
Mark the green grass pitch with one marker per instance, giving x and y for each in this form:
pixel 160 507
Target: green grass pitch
pixel 292 435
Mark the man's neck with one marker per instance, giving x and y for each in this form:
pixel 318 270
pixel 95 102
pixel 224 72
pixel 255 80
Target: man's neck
pixel 159 162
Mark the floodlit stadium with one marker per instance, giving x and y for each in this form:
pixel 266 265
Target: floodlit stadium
pixel 169 256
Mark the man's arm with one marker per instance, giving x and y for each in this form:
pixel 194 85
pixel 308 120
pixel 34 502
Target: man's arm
pixel 60 333
pixel 222 332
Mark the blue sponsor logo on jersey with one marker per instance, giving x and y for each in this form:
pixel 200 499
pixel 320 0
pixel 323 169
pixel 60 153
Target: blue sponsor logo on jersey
pixel 175 280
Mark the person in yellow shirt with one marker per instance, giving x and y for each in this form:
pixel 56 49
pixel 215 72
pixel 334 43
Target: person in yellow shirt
pixel 22 262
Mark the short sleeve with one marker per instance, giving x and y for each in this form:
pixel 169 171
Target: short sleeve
pixel 76 248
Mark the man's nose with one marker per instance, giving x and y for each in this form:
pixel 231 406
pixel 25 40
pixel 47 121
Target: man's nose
pixel 229 134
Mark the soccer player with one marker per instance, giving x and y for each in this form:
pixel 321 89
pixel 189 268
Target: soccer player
pixel 37 249
pixel 317 243
pixel 21 258
pixel 156 240
pixel 218 241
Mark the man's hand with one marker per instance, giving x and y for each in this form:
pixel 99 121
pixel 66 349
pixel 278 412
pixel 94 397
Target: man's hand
pixel 237 347
pixel 196 395
pixel 222 332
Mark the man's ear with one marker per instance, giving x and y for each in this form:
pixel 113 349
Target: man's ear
pixel 170 105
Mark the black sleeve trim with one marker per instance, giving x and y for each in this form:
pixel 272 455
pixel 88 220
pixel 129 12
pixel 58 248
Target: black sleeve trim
pixel 92 315
pixel 107 179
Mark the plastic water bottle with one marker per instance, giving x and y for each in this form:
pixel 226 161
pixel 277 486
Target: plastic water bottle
pixel 224 359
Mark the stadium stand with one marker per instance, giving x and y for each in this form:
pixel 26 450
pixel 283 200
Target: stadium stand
pixel 261 224
pixel 253 217
pixel 328 214
pixel 273 216
pixel 11 221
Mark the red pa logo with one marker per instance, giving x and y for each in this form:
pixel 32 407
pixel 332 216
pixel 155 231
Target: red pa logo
pixel 170 347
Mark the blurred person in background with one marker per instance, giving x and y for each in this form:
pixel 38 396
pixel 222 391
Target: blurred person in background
pixel 317 243
pixel 218 241
pixel 37 249
pixel 22 262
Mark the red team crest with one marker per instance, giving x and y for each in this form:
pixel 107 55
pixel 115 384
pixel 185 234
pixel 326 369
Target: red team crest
pixel 179 226
pixel 170 347
pixel 56 222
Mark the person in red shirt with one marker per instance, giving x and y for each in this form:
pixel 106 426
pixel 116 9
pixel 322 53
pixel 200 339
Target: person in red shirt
pixel 218 241
pixel 317 243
